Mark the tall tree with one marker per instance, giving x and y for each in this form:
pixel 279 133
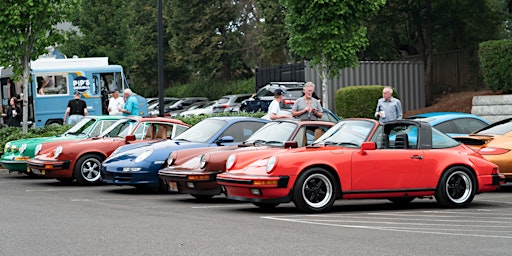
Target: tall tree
pixel 28 27
pixel 273 33
pixel 329 33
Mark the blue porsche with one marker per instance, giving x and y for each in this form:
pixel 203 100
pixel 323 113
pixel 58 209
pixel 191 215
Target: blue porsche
pixel 138 165
pixel 453 123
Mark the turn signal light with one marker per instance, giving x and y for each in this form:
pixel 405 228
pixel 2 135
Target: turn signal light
pixel 265 182
pixel 199 177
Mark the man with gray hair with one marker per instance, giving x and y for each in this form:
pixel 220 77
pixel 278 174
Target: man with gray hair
pixel 307 107
pixel 388 107
pixel 131 106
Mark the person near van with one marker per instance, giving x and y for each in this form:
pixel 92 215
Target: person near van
pixel 131 106
pixel 115 103
pixel 274 109
pixel 13 114
pixel 307 107
pixel 388 108
pixel 76 110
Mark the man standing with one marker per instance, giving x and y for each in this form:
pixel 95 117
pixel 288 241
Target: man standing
pixel 388 107
pixel 115 103
pixel 307 107
pixel 274 108
pixel 76 110
pixel 131 107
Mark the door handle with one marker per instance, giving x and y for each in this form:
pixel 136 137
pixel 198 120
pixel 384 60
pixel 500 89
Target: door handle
pixel 416 157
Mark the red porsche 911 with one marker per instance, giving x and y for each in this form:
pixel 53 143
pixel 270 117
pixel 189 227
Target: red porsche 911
pixel 362 159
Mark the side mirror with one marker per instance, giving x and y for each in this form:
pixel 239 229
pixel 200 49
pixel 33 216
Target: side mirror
pixel 291 144
pixel 225 139
pixel 368 145
pixel 129 138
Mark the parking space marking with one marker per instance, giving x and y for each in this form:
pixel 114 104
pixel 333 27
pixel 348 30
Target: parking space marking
pixel 61 189
pixel 101 199
pixel 451 223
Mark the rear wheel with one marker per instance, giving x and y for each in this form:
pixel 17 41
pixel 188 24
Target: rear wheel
pixel 456 188
pixel 314 191
pixel 87 169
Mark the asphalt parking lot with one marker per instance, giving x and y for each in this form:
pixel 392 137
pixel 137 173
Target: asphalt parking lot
pixel 45 217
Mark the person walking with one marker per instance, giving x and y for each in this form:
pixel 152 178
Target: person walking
pixel 131 106
pixel 13 115
pixel 388 108
pixel 274 109
pixel 307 107
pixel 115 103
pixel 76 110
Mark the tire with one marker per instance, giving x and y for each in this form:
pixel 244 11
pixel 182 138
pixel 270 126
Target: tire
pixel 87 169
pixel 314 191
pixel 266 206
pixel 456 188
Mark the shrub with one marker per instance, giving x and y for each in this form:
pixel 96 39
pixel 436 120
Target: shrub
pixel 495 58
pixel 358 101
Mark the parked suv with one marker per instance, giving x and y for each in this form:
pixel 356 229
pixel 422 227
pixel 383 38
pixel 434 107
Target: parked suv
pixel 230 103
pixel 261 100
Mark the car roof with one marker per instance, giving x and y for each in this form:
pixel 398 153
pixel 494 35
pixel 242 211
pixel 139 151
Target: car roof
pixel 438 117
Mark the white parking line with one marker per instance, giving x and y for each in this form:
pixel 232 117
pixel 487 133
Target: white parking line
pixel 60 189
pixel 101 199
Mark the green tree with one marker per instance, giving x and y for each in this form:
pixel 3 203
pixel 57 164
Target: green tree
pixel 329 33
pixel 273 37
pixel 28 27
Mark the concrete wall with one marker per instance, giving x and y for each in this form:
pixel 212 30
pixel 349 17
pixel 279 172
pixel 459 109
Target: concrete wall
pixel 492 107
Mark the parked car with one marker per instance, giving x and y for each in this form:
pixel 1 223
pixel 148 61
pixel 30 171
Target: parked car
pixel 17 152
pixel 198 109
pixel 453 123
pixel 194 171
pixel 178 106
pixel 261 100
pixel 327 115
pixel 230 103
pixel 494 143
pixel 81 159
pixel 138 165
pixel 361 159
pixel 154 104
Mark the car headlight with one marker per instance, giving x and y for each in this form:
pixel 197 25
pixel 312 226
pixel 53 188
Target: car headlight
pixel 230 162
pixel 203 161
pixel 172 158
pixel 271 164
pixel 38 148
pixel 23 147
pixel 6 148
pixel 58 150
pixel 143 156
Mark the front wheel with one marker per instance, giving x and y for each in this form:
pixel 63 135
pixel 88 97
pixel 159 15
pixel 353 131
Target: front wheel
pixel 456 188
pixel 314 191
pixel 87 169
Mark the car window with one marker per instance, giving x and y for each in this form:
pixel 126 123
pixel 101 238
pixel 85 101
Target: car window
pixel 441 140
pixel 275 131
pixel 101 126
pixel 223 100
pixel 447 127
pixel 498 128
pixel 203 131
pixel 242 98
pixel 241 131
pixel 347 133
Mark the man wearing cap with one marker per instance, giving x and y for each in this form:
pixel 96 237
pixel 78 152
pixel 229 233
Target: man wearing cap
pixel 76 110
pixel 307 107
pixel 115 103
pixel 274 108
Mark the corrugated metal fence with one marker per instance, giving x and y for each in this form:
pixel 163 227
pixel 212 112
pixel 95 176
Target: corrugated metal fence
pixel 405 76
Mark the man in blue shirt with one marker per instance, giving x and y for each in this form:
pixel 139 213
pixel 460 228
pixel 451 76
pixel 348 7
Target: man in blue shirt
pixel 131 106
pixel 388 108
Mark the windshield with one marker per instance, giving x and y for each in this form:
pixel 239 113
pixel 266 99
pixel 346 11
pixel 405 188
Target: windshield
pixel 82 127
pixel 347 132
pixel 498 128
pixel 121 128
pixel 203 131
pixel 273 133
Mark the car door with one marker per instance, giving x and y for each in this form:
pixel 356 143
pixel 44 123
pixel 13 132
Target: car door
pixel 395 165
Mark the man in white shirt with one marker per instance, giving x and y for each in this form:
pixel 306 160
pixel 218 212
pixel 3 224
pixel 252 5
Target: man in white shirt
pixel 274 108
pixel 115 103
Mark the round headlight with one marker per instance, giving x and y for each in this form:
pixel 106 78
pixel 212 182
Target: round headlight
pixel 271 164
pixel 203 161
pixel 172 158
pixel 143 156
pixel 6 148
pixel 23 147
pixel 230 162
pixel 58 150
pixel 38 148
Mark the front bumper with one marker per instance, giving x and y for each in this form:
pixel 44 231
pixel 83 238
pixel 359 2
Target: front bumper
pixel 50 168
pixel 192 182
pixel 259 189
pixel 116 176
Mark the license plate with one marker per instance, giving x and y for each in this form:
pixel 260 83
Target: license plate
pixel 36 171
pixel 173 186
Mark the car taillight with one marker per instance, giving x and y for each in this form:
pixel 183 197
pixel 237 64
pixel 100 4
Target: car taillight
pixel 493 151
pixel 224 106
pixel 288 102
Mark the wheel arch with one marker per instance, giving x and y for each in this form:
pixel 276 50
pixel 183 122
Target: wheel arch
pixel 326 167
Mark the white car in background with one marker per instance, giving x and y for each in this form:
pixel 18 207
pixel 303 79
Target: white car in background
pixel 200 108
